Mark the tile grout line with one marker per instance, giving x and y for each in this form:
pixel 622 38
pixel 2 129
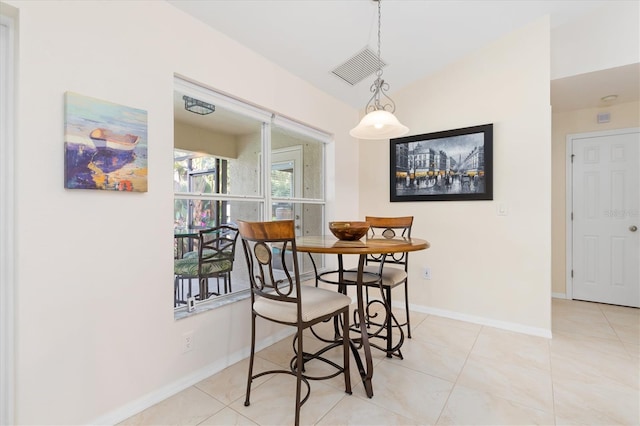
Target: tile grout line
pixel 556 377
pixel 622 342
pixel 332 407
pixel 455 383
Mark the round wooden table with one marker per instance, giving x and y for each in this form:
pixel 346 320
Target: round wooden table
pixel 327 244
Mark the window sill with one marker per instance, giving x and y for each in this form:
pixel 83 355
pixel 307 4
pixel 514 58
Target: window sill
pixel 213 303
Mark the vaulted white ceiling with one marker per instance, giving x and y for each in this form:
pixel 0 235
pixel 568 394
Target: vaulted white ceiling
pixel 309 38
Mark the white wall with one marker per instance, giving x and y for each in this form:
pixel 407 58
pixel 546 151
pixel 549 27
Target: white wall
pixel 96 336
pixel 487 268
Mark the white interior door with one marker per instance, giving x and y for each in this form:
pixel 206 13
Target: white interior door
pixel 606 240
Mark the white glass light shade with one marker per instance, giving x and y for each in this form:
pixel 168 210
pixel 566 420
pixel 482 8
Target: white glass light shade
pixel 379 124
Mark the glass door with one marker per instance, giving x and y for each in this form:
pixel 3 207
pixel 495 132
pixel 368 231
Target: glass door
pixel 286 182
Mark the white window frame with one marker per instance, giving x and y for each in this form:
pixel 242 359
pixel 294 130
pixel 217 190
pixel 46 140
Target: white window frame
pixel 268 119
pixel 7 282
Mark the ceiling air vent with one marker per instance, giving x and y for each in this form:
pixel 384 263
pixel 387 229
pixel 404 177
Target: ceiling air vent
pixel 359 67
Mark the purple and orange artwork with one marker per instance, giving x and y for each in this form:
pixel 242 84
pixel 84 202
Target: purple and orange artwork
pixel 105 145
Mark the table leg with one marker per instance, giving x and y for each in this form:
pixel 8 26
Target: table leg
pixel 366 378
pixel 365 369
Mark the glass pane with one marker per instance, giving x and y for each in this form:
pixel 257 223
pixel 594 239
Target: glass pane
pixel 282 180
pixel 181 216
pixel 196 213
pixel 186 246
pixel 282 211
pixel 308 220
pixel 217 153
pixel 181 174
pixel 313 224
pixel 296 165
pixel 201 173
pixel 204 163
pixel 203 183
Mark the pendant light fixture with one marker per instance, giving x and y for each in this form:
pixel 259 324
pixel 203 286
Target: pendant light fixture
pixel 379 123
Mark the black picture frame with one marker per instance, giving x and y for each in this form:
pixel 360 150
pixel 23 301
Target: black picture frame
pixel 451 165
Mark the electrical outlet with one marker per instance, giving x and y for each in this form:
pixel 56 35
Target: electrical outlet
pixel 187 341
pixel 426 273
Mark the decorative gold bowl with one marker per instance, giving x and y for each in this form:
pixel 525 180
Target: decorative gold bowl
pixel 349 231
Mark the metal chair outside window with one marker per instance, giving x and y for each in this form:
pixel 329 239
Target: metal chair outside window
pixel 214 258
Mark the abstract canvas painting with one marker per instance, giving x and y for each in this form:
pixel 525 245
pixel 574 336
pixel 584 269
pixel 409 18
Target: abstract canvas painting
pixel 105 145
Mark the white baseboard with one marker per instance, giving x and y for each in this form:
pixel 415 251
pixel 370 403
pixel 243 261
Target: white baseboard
pixel 559 296
pixel 159 395
pixel 504 325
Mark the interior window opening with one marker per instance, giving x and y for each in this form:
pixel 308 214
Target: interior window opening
pixel 221 175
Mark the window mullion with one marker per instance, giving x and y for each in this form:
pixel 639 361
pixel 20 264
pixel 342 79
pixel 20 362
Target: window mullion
pixel 266 167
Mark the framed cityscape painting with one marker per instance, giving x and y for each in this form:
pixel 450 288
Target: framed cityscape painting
pixel 450 165
pixel 105 145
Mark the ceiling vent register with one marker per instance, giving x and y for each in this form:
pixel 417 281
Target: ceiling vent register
pixel 359 67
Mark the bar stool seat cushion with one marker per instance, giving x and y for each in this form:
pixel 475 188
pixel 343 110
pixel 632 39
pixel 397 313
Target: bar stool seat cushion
pixel 391 277
pixel 316 302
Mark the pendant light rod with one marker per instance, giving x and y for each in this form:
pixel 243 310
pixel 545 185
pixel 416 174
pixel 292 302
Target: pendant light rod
pixel 379 121
pixel 379 87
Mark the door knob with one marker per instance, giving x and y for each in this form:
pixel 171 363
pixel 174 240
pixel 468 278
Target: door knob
pixel 633 228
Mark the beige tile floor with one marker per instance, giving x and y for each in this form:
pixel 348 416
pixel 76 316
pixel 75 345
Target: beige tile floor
pixel 453 373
